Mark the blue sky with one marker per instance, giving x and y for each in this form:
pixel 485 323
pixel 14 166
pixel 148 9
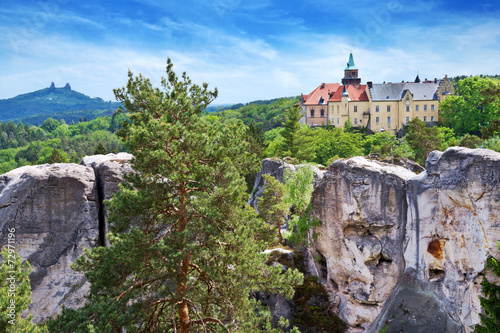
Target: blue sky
pixel 249 50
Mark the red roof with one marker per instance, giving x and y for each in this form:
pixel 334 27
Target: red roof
pixel 354 94
pixel 321 91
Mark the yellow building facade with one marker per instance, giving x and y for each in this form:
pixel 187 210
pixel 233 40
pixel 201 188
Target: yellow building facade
pixel 378 107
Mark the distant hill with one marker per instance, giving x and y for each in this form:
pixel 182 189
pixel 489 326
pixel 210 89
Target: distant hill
pixel 59 103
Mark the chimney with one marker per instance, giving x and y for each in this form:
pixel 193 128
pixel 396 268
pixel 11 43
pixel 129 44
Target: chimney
pixel 435 80
pixel 370 84
pixel 322 85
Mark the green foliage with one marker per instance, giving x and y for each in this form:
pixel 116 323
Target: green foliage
pixel 100 149
pixel 57 157
pixel 472 107
pixel 15 294
pixel 336 142
pixel 490 303
pixel 492 143
pixel 291 126
pixel 272 206
pixel 470 141
pixel 299 186
pixel 185 253
pixel 49 125
pixel 423 139
pixel 382 143
pixel 313 315
pixel 24 145
pixel 263 114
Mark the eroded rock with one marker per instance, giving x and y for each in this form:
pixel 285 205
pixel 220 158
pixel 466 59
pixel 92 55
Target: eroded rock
pixel 359 253
pixel 53 209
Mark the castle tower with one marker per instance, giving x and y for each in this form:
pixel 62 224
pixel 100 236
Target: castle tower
pixel 351 74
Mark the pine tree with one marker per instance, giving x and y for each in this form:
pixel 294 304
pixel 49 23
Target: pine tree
pixel 100 149
pixel 289 132
pixel 184 254
pixel 272 207
pixel 56 157
pixel 490 318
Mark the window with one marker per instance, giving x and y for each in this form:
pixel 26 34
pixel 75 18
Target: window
pixel 338 120
pixel 322 113
pixel 432 118
pixel 407 120
pixel 361 121
pixel 407 108
pixel 337 109
pixel 377 109
pixel 425 107
pixel 377 120
pixel 416 107
pixel 312 113
pixel 432 107
pixel 388 120
pixel 388 108
pixel 425 118
pixel 355 121
pixel 355 108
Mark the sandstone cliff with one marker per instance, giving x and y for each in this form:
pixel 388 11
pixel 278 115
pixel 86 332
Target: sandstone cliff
pixel 55 211
pixel 404 252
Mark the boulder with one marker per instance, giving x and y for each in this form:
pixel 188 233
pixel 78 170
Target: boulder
pixel 54 210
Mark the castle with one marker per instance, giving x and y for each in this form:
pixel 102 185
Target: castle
pixel 378 107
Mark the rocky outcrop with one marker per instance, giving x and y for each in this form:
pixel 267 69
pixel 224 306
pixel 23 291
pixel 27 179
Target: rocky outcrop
pixel 57 211
pixel 359 251
pixel 404 252
pixel 53 209
pixel 109 171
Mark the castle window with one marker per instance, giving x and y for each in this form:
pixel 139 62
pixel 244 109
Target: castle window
pixel 416 107
pixel 425 118
pixel 338 121
pixel 432 118
pixel 322 113
pixel 425 107
pixel 355 108
pixel 377 109
pixel 407 108
pixel 388 120
pixel 432 107
pixel 376 120
pixel 355 121
pixel 312 113
pixel 407 120
pixel 388 108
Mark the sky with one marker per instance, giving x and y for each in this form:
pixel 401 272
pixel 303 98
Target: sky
pixel 249 50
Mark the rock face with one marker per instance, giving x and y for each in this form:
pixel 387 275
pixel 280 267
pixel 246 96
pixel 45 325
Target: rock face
pixel 362 205
pixel 109 171
pixel 57 212
pixel 404 252
pixel 53 209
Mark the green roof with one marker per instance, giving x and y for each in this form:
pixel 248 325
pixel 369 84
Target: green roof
pixel 350 64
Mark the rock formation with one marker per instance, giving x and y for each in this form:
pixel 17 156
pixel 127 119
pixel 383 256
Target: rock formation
pixel 359 251
pixel 55 211
pixel 404 252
